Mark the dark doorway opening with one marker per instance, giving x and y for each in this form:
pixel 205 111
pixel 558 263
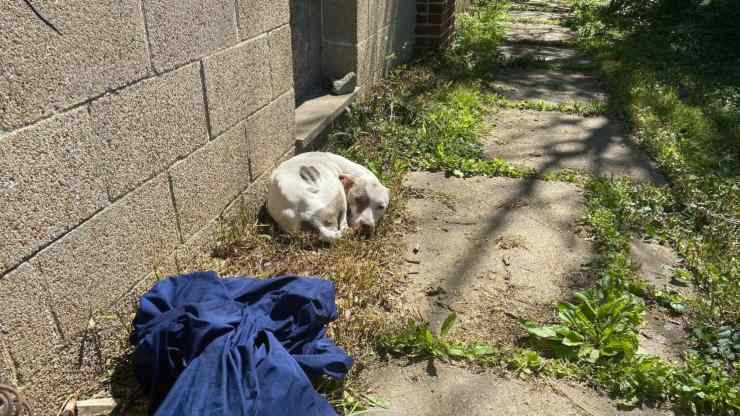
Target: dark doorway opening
pixel 305 25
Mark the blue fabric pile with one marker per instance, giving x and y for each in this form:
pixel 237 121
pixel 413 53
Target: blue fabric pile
pixel 236 346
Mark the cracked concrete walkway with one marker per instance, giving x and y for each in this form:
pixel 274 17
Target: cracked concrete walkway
pixel 498 250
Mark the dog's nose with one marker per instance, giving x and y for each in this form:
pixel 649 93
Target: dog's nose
pixel 366 229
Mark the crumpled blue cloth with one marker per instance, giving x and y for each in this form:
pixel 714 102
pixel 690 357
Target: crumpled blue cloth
pixel 236 346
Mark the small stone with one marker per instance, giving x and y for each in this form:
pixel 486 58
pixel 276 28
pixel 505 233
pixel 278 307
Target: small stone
pixel 345 85
pixel 96 407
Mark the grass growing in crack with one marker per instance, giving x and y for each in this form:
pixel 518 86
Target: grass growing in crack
pixel 672 69
pixel 599 331
pixel 583 108
pixel 416 342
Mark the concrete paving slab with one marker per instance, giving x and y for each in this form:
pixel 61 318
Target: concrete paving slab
pixel 543 53
pixel 539 33
pixel 540 6
pixel 548 85
pixel 494 250
pixel 663 336
pixel 439 389
pixel 551 141
pixel 534 16
pixel 655 265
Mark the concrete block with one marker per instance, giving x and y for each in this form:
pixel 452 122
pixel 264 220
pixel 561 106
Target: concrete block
pixel 101 45
pixel 148 126
pixel 259 16
pixel 343 20
pixel 383 51
pixel 81 365
pixel 271 132
pixel 237 83
pixel 182 31
pixel 278 14
pixel 281 60
pixel 363 19
pixel 205 182
pixel 366 57
pixel 380 14
pixel 91 267
pixel 49 182
pixel 29 333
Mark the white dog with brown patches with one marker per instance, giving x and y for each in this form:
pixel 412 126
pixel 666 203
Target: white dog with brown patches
pixel 327 193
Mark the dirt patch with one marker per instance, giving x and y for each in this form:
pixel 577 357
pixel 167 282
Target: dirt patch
pixel 366 272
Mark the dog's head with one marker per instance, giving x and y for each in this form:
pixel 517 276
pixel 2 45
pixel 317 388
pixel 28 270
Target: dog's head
pixel 367 202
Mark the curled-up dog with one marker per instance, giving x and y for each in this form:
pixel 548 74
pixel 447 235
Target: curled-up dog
pixel 327 193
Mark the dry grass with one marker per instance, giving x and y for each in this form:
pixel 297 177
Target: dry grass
pixel 366 272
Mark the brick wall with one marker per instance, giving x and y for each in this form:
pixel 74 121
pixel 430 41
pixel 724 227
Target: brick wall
pixel 126 130
pixel 435 23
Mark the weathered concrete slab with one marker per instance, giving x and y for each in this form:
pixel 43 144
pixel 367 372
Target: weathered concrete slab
pixel 548 85
pixel 148 126
pixel 551 141
pixel 443 390
pixel 494 250
pixel 663 336
pixel 655 264
pixel 180 32
pixel 538 33
pixel 533 16
pixel 100 45
pixel 49 182
pixel 542 53
pixel 541 6
pixel 238 83
pixel 205 182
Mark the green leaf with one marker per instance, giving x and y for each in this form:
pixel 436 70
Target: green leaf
pixel 547 332
pixel 481 350
pixel 447 325
pixel 455 352
pixel 378 401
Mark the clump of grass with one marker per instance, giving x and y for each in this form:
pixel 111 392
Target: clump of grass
pixel 677 83
pixel 599 331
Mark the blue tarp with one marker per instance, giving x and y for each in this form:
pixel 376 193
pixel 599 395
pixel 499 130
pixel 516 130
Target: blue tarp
pixel 236 346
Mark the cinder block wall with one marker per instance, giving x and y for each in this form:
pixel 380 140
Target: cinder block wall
pixel 126 128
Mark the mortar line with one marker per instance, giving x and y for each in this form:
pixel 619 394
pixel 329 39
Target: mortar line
pixel 236 19
pixel 206 108
pixel 142 8
pixel 174 206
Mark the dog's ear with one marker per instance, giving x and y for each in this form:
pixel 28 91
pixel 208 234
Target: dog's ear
pixel 347 182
